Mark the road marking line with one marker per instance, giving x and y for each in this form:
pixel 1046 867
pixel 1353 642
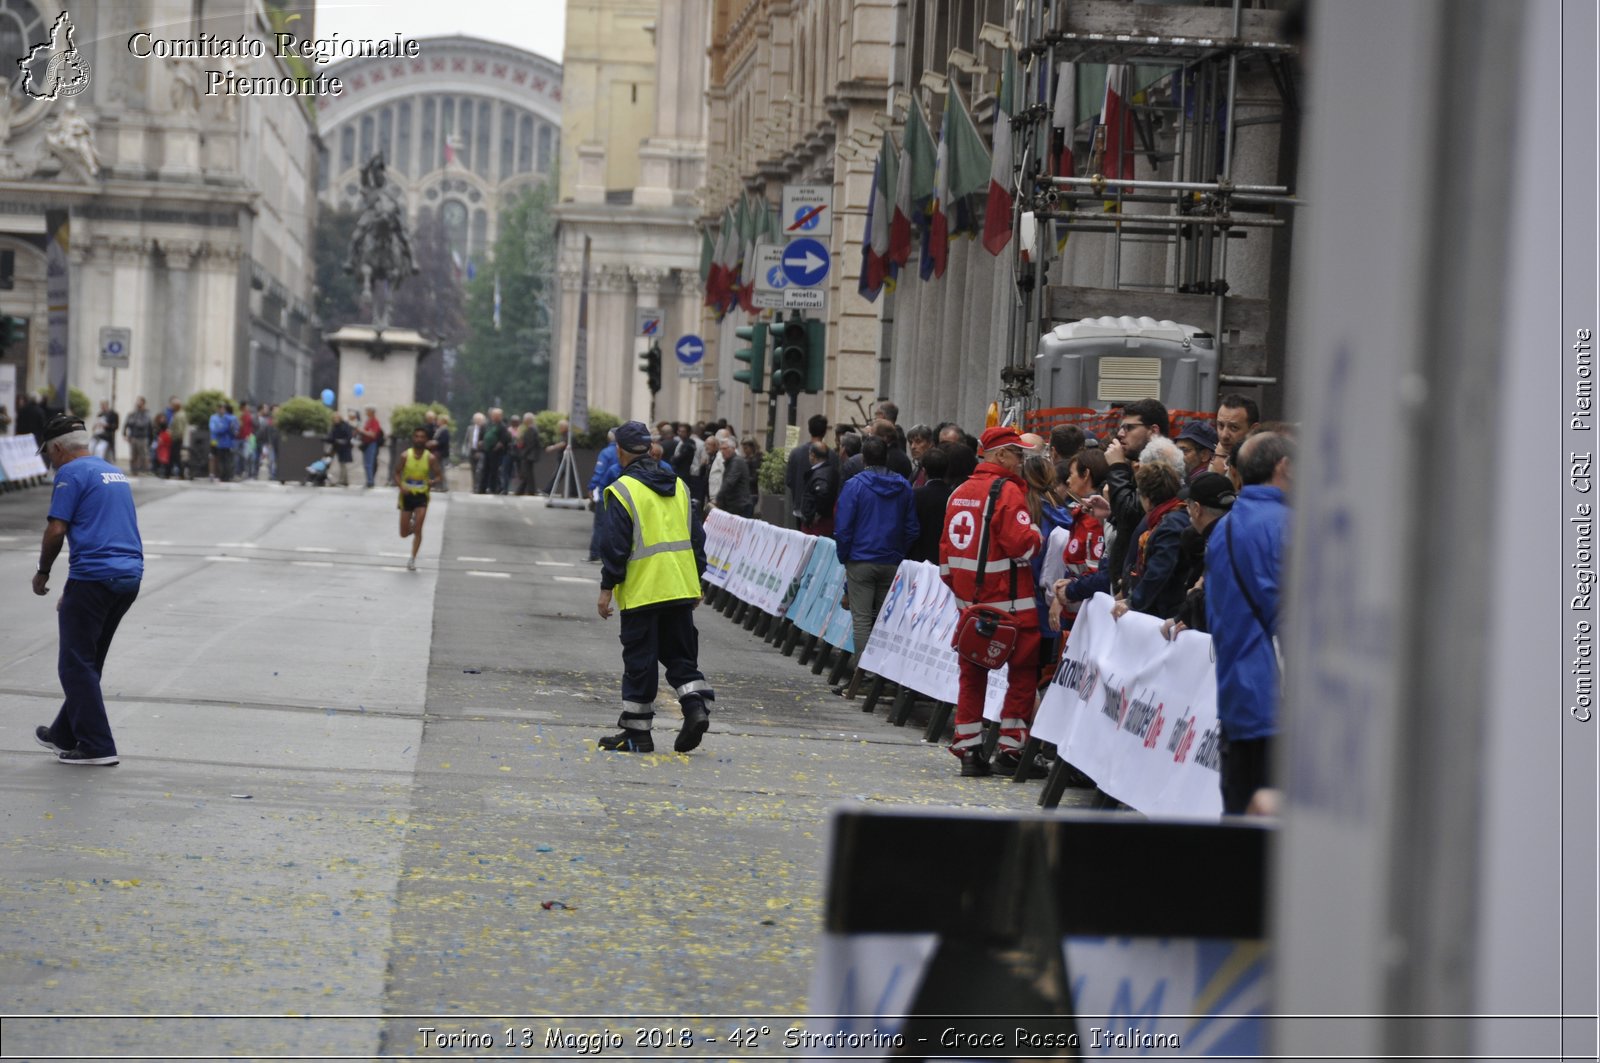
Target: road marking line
pixel 153 557
pixel 488 575
pixel 481 560
pixel 575 579
pixel 315 550
pixel 236 546
pixel 392 568
pixel 557 564
pixel 386 553
pixel 8 538
pixel 225 557
pixel 528 521
pixel 159 542
pixel 313 564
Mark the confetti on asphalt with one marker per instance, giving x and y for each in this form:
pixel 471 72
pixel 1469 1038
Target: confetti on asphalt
pixel 556 906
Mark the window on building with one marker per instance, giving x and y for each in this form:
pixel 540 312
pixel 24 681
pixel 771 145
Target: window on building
pixel 525 144
pixel 480 234
pixel 402 138
pixel 453 215
pixel 347 147
pixel 465 150
pixel 480 154
pixel 546 146
pixel 21 27
pixel 430 145
pixel 386 133
pixel 367 129
pixel 323 162
pixel 508 141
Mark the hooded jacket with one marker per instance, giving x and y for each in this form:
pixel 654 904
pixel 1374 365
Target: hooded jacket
pixel 875 521
pixel 616 526
pixel 1247 663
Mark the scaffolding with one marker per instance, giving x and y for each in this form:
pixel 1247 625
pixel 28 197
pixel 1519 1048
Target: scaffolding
pixel 1201 48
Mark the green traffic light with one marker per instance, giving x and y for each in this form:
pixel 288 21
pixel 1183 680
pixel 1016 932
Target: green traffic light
pixel 755 356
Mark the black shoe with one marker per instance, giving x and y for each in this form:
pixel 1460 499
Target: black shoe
pixel 974 766
pixel 629 740
pixel 696 722
pixel 1006 764
pixel 80 758
pixel 41 735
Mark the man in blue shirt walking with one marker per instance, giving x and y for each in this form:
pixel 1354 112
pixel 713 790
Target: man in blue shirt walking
pixel 91 508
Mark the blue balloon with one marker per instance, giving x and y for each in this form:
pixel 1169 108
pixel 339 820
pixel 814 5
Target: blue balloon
pixel 327 396
pixel 359 390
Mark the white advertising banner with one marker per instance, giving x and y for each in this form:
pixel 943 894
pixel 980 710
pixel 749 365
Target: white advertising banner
pixel 1137 713
pixel 910 643
pixel 19 458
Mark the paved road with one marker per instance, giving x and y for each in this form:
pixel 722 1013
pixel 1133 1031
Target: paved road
pixel 349 790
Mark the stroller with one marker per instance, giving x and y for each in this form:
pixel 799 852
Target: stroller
pixel 317 472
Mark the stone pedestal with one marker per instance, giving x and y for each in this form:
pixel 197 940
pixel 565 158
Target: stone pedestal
pixel 383 363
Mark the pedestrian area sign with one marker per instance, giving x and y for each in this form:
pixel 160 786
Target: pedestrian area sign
pixel 115 347
pixel 807 210
pixel 770 278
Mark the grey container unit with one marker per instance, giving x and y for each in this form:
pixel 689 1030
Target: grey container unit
pixel 1103 361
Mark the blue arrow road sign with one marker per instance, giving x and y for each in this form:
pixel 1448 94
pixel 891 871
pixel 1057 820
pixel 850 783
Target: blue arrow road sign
pixel 690 350
pixel 805 262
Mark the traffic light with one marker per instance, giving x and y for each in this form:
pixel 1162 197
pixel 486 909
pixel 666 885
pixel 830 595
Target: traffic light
pixel 650 366
pixel 12 330
pixel 817 332
pixel 755 356
pixel 792 357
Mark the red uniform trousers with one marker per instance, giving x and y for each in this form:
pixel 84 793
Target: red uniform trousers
pixel 1016 714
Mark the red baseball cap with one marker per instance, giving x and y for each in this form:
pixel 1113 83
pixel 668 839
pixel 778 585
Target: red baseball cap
pixel 999 436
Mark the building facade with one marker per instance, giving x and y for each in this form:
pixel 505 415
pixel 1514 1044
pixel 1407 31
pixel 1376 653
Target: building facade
pixel 795 88
pixel 463 128
pixel 190 214
pixel 636 139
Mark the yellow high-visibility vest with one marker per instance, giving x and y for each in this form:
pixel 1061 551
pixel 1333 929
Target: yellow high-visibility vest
pixel 661 567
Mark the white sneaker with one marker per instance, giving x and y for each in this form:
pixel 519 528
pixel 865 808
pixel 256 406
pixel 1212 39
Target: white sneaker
pixel 411 565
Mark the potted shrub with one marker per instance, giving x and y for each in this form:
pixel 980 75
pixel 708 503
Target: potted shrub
pixel 302 424
pixel 774 505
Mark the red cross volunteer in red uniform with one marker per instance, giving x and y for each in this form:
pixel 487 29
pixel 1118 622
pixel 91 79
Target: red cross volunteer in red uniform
pixel 1007 588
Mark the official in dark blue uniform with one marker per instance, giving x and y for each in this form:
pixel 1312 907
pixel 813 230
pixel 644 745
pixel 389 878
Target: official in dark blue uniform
pixel 652 552
pixel 91 509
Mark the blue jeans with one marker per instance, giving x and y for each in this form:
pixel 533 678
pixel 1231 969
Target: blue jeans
pixel 369 455
pixel 88 618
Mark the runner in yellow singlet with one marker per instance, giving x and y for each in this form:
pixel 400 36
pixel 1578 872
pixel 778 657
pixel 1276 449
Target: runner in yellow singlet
pixel 417 471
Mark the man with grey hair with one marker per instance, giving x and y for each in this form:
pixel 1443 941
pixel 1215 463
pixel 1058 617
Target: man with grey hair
pixel 91 508
pixel 1244 575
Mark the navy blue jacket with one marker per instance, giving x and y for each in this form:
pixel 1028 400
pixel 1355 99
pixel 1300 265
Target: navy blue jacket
pixel 1247 663
pixel 1161 589
pixel 616 526
pixel 876 521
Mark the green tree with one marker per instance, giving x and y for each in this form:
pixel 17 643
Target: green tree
pixel 509 366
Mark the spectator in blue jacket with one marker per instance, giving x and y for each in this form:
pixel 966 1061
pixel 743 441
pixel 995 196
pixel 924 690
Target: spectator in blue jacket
pixel 607 467
pixel 224 427
pixel 1244 569
pixel 876 523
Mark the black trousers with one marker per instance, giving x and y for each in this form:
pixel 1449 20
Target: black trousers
pixel 1245 769
pixel 664 635
pixel 88 618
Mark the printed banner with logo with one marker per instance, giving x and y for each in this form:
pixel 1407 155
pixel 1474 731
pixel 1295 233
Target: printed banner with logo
pixel 19 458
pixel 910 642
pixel 1137 713
pixel 785 573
